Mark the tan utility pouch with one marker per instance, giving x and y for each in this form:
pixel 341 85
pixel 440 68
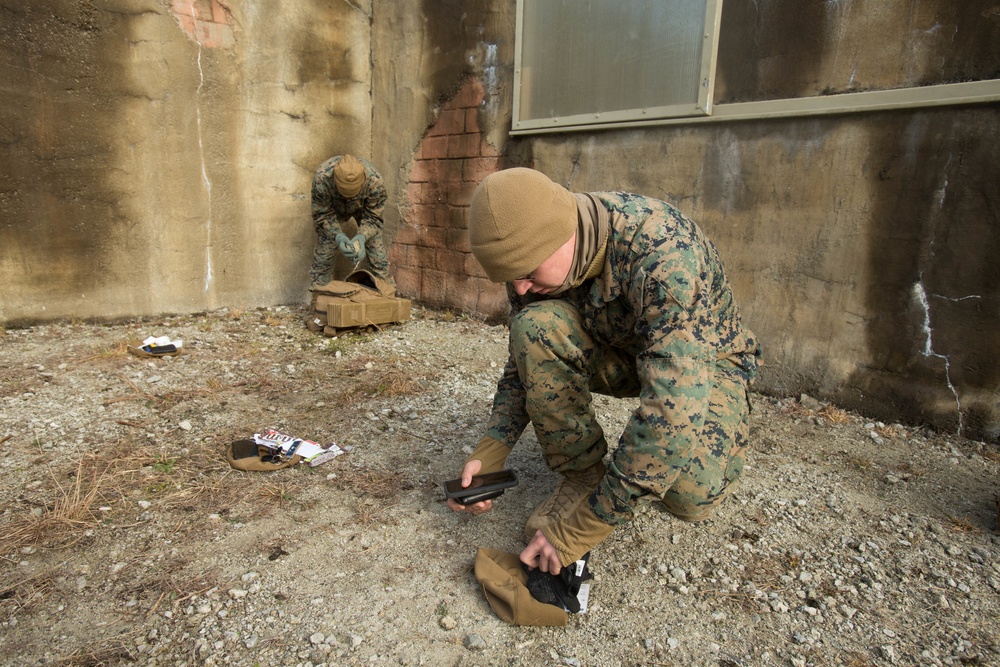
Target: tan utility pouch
pixel 248 455
pixel 360 300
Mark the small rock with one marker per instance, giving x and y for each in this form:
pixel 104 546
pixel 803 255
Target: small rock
pixel 447 622
pixel 474 642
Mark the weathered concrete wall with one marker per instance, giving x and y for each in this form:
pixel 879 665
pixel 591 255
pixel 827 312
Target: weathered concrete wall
pixel 859 246
pixel 156 156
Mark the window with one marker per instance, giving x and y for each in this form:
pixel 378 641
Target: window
pixel 600 64
pixel 581 62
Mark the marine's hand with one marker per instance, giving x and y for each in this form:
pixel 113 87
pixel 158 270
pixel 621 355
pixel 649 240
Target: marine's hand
pixel 471 468
pixel 541 554
pixel 358 243
pixel 345 245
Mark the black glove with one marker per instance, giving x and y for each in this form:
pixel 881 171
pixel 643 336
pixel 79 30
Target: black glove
pixel 560 589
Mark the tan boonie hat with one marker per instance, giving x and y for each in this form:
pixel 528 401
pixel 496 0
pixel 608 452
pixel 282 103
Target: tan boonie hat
pixel 517 219
pixel 504 582
pixel 349 176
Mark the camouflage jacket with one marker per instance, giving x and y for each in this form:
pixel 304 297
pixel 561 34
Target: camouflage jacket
pixel 663 298
pixel 330 208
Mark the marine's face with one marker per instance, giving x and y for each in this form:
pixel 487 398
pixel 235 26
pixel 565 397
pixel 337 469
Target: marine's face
pixel 551 273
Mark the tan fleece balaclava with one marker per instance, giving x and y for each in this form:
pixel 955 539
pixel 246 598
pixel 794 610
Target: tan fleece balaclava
pixel 518 218
pixel 504 583
pixel 349 176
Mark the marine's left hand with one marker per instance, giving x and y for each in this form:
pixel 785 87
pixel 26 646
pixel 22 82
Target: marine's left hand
pixel 359 244
pixel 541 554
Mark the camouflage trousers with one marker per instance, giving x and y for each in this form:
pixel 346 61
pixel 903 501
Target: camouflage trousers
pixel 325 255
pixel 560 365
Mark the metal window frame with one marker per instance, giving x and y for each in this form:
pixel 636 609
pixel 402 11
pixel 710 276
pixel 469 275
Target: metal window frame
pixel 701 108
pixel 705 111
pixel 943 95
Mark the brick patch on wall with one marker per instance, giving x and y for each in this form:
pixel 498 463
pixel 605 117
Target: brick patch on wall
pixel 431 259
pixel 207 22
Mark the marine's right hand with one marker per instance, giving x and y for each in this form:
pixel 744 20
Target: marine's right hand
pixel 471 468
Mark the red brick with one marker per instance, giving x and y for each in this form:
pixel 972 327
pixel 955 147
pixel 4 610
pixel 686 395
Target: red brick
pixel 407 235
pixel 478 168
pixel 472 267
pixel 487 150
pixel 408 281
pixel 435 215
pixel 423 171
pixel 432 287
pixel 464 196
pixel 450 170
pixel 459 217
pixel 450 121
pixel 458 239
pixel 426 193
pixel 492 301
pixel 449 261
pixel 442 215
pixel 419 214
pixel 433 147
pixel 218 12
pixel 434 237
pixel 464 145
pixel 469 95
pixel 472 120
pixel 461 292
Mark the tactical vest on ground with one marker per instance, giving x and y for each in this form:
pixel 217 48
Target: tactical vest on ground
pixel 360 300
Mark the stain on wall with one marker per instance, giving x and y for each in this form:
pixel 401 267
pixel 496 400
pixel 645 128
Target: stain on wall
pixel 773 49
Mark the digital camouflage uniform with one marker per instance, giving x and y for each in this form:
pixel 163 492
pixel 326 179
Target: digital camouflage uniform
pixel 659 323
pixel 330 209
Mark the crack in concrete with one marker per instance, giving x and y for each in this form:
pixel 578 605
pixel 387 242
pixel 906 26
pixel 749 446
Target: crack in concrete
pixel 921 296
pixel 204 173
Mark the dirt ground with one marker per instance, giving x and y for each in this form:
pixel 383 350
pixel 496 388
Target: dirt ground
pixel 126 539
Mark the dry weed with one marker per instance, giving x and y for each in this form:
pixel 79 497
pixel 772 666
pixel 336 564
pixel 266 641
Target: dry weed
pixel 834 415
pixel 25 594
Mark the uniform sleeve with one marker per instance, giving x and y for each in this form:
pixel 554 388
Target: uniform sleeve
pixel 509 418
pixel 323 214
pixel 371 221
pixel 675 368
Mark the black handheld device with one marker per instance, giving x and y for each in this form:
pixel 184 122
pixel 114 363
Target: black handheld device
pixel 483 487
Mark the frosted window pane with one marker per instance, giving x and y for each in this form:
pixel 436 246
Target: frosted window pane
pixel 590 56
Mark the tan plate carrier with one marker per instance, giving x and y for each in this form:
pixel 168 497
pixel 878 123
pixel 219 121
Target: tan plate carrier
pixel 360 300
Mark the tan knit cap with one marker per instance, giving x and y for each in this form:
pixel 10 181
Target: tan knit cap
pixel 517 220
pixel 349 176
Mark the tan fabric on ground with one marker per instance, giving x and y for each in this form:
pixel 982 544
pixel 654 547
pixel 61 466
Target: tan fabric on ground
pixel 349 176
pixel 504 582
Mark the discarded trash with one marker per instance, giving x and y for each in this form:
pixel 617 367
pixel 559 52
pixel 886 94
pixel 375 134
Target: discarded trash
pixel 311 452
pixel 157 346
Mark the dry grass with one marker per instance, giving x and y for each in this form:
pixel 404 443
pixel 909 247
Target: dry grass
pixel 73 507
pixel 26 594
pixel 834 415
pixel 103 487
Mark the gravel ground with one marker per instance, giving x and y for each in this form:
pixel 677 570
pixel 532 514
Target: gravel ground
pixel 125 538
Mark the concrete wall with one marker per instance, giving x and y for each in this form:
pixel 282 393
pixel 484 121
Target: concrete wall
pixel 156 156
pixel 859 246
